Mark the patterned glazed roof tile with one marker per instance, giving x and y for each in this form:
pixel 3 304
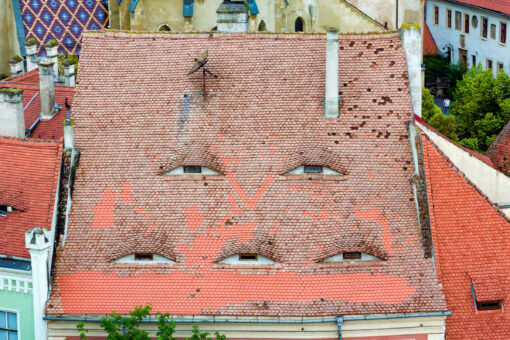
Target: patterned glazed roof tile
pixel 29 172
pixel 471 244
pixel 63 21
pixel 142 116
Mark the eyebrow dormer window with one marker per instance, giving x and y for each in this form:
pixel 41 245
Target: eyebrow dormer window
pixel 192 169
pixel 313 169
pixel 144 258
pixel 352 257
pixel 248 259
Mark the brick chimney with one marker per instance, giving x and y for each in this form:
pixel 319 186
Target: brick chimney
pixel 12 117
pixel 331 100
pixel 232 17
pixel 16 64
pixel 31 50
pixel 52 55
pixel 47 90
pixel 69 73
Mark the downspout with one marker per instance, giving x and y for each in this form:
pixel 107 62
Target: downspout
pixel 339 323
pixel 396 15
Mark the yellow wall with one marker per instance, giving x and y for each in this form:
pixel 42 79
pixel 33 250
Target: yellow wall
pixel 317 15
pixel 8 37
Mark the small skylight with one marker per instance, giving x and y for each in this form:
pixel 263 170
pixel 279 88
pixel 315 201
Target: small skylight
pixel 489 305
pixel 192 170
pixel 144 258
pixel 313 169
pixel 248 259
pixel 5 209
pixel 352 257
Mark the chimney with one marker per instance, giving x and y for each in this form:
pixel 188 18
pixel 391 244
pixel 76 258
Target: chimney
pixel 31 50
pixel 68 129
pixel 16 64
pixel 232 17
pixel 331 100
pixel 52 54
pixel 38 243
pixel 69 73
pixel 47 89
pixel 410 36
pixel 12 117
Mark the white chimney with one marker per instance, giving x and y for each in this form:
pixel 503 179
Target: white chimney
pixel 52 54
pixel 69 73
pixel 16 64
pixel 37 241
pixel 47 89
pixel 12 117
pixel 31 51
pixel 331 100
pixel 232 17
pixel 410 36
pixel 68 129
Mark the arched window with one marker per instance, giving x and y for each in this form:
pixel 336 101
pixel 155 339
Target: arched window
pixel 164 28
pixel 262 26
pixel 298 26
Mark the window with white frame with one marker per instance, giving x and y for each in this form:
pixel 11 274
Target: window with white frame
pixel 8 325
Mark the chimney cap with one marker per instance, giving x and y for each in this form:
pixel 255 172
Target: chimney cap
pixel 332 29
pixel 232 7
pixel 30 42
pixel 10 90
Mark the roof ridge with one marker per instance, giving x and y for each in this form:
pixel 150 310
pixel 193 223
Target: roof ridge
pixel 20 140
pixel 468 181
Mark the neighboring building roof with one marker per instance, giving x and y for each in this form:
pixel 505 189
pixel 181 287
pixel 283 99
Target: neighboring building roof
pixel 142 116
pixel 500 6
pixel 29 171
pixel 471 245
pixel 63 21
pixel 429 45
pixel 499 151
pixel 53 128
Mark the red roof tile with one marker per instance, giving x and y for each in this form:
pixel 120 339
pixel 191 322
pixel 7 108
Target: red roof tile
pixel 142 116
pixel 501 6
pixel 429 45
pixel 29 172
pixel 47 128
pixel 471 244
pixel 499 151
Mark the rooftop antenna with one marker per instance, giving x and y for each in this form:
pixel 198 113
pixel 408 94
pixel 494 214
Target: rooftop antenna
pixel 200 64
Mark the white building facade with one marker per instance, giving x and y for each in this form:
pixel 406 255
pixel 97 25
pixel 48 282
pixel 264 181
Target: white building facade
pixel 471 34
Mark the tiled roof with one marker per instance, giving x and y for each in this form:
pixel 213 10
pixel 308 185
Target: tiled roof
pixel 471 244
pixel 499 151
pixel 28 182
pixel 501 6
pixel 263 116
pixel 429 45
pixel 47 128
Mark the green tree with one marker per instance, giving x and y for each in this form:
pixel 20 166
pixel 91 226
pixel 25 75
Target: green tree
pixel 444 124
pixel 428 108
pixel 127 328
pixel 481 107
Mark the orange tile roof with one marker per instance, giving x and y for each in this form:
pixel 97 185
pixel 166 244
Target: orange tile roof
pixel 499 151
pixel 429 45
pixel 471 244
pixel 47 128
pixel 263 116
pixel 501 6
pixel 29 171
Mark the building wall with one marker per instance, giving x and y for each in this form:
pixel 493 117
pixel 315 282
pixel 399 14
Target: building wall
pixel 475 45
pixel 150 15
pixel 8 36
pixel 15 298
pixel 385 11
pixel 416 328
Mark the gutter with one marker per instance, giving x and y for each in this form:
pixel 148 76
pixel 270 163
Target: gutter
pixel 254 320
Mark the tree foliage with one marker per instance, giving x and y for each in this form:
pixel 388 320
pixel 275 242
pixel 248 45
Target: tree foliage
pixel 481 107
pixel 437 66
pixel 128 328
pixel 433 115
